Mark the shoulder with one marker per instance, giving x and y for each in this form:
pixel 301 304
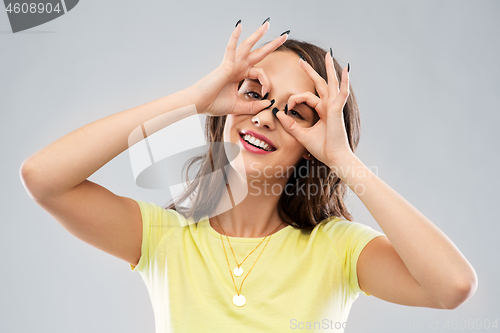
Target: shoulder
pixel 154 214
pixel 335 224
pixel 342 231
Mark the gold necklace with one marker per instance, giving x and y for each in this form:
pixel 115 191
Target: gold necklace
pixel 238 271
pixel 239 299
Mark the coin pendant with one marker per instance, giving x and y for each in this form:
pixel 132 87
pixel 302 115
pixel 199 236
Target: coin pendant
pixel 238 271
pixel 239 300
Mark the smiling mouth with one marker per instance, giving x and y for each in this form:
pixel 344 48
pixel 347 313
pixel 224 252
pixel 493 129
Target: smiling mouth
pixel 261 148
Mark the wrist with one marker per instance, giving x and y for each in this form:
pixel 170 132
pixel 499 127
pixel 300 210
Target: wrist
pixel 191 97
pixel 202 90
pixel 348 167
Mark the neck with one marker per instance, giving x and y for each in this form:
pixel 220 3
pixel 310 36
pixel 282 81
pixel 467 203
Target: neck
pixel 254 216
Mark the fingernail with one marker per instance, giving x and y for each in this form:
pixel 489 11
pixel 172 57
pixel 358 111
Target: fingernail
pixel 286 109
pixel 239 21
pixel 265 96
pixel 348 67
pixel 275 110
pixel 272 102
pixel 267 20
pixel 331 52
pixel 301 57
pixel 285 32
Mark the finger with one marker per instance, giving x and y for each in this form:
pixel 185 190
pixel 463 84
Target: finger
pixel 309 98
pixel 341 99
pixel 333 83
pixel 319 82
pixel 248 43
pixel 233 42
pixel 291 127
pixel 251 107
pixel 259 74
pixel 257 55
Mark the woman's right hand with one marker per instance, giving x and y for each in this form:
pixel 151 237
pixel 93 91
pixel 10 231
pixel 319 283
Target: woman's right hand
pixel 217 93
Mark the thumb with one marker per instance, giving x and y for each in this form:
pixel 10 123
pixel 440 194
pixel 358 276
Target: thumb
pixel 291 126
pixel 253 107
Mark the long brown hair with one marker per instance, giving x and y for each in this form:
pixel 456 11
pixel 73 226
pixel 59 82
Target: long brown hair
pixel 296 209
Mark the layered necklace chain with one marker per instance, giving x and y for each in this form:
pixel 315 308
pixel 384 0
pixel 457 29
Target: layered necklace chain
pixel 239 299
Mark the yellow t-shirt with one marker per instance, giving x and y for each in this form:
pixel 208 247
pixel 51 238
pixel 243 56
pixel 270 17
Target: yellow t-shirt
pixel 303 279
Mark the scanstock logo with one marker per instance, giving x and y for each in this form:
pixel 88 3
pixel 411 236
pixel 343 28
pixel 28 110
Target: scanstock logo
pixel 26 15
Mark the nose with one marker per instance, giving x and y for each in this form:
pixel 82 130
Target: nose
pixel 267 117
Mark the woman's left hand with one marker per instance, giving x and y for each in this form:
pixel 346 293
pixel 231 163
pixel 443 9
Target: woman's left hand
pixel 327 139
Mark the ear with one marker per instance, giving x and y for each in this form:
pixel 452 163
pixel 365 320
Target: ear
pixel 306 156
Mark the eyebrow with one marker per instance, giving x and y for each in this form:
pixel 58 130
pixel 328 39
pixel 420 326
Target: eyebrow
pixel 305 104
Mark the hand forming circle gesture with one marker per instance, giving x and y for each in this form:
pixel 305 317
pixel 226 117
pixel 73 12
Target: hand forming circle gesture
pixel 327 139
pixel 217 93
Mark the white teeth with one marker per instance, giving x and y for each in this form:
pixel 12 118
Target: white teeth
pixel 256 142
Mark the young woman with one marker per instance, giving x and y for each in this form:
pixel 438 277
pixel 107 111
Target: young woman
pixel 267 244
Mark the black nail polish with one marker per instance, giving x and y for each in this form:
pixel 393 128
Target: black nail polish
pixel 286 109
pixel 265 96
pixel 285 32
pixel 301 57
pixel 331 52
pixel 239 21
pixel 275 110
pixel 348 67
pixel 267 20
pixel 272 102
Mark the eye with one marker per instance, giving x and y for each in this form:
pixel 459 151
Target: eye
pixel 253 92
pixel 296 113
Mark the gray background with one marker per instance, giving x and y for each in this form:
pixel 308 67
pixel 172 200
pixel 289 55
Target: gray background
pixel 426 75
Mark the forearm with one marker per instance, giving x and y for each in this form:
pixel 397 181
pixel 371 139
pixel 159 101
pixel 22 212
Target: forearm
pixel 71 159
pixel 430 256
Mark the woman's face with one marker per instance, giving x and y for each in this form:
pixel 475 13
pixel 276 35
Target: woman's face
pixel 286 78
